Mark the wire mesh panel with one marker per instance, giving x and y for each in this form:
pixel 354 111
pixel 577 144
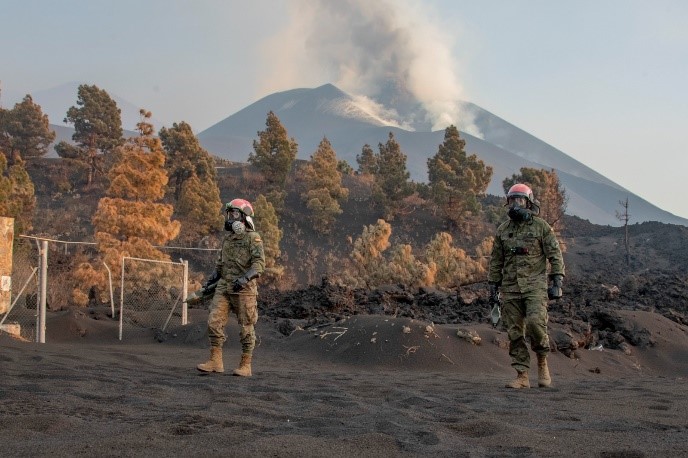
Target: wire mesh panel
pixel 20 319
pixel 151 294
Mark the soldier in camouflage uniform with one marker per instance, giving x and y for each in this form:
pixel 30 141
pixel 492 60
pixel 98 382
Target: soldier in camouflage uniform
pixel 518 267
pixel 240 262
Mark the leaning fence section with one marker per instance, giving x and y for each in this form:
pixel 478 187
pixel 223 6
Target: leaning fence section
pixel 152 295
pixel 21 318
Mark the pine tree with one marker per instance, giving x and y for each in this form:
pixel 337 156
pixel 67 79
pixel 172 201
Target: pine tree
pixel 274 153
pixel 129 220
pixel 97 130
pixel 457 181
pixel 267 224
pixel 17 197
pixel 25 131
pixel 192 172
pixel 453 266
pixel 367 161
pixel 344 168
pixel 392 183
pixel 324 190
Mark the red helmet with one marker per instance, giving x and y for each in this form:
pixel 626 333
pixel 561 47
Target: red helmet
pixel 521 190
pixel 244 206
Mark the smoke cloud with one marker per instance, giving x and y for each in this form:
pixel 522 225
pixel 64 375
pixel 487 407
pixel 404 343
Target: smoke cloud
pixel 389 54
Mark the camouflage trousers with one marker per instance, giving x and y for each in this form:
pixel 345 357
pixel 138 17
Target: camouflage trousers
pixel 525 316
pixel 244 306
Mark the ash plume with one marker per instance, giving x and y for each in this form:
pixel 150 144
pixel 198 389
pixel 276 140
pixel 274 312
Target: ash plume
pixel 389 54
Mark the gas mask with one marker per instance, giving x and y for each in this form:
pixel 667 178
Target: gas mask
pixel 234 222
pixel 518 210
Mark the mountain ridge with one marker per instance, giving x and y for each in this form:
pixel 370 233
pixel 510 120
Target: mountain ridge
pixel 504 146
pixel 309 114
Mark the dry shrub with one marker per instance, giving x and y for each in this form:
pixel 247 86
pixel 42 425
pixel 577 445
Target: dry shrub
pixel 454 266
pixel 404 268
pixel 483 252
pixel 444 266
pixel 88 279
pixel 366 265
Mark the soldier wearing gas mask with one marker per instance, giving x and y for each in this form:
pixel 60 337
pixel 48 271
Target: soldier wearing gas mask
pixel 240 262
pixel 523 247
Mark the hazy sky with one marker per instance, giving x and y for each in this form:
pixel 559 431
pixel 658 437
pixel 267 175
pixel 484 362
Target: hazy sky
pixel 603 81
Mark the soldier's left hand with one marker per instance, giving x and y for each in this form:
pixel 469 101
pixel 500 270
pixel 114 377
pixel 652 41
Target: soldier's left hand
pixel 554 291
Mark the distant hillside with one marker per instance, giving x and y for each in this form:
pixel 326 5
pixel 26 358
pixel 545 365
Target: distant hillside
pixel 311 114
pixel 56 101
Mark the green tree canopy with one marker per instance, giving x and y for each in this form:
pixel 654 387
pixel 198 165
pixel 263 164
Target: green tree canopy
pixel 267 224
pixel 324 190
pixel 192 171
pixel 25 130
pixel 198 209
pixel 392 183
pixel 17 198
pixel 274 153
pixel 185 156
pixel 97 130
pixel 367 161
pixel 456 180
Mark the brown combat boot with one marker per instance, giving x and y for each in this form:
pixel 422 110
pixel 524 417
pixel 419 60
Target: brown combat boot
pixel 244 369
pixel 521 381
pixel 544 380
pixel 214 364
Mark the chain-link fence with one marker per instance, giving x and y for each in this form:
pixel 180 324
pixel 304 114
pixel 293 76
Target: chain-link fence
pixel 150 294
pixel 22 316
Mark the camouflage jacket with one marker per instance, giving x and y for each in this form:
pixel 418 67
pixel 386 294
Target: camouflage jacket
pixel 519 256
pixel 239 253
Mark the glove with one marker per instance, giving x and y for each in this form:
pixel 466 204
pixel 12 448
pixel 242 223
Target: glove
pixel 494 293
pixel 214 279
pixel 554 291
pixel 239 283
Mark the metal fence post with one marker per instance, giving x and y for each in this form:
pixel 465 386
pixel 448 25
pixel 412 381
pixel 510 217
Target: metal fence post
pixel 185 292
pixel 121 299
pixel 43 283
pixel 112 300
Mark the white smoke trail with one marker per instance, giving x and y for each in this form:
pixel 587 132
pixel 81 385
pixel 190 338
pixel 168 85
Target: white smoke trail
pixel 390 53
